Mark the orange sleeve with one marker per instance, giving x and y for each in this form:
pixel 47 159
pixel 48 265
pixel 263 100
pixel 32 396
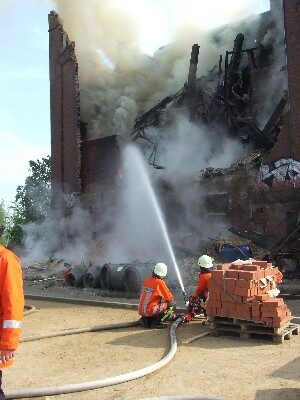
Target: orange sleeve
pixel 12 300
pixel 165 292
pixel 202 284
pixel 279 277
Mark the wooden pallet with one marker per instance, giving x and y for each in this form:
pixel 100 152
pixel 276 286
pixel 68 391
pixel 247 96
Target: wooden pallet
pixel 251 330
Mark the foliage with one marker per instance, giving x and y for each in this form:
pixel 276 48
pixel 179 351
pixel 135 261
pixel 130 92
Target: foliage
pixel 33 200
pixel 3 221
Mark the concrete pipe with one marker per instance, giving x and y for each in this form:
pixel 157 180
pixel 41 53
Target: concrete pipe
pixel 112 276
pixel 105 277
pixel 92 277
pixel 75 276
pixel 117 272
pixel 135 275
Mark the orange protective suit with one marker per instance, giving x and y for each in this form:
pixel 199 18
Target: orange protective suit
pixel 203 282
pixel 12 302
pixel 279 277
pixel 154 298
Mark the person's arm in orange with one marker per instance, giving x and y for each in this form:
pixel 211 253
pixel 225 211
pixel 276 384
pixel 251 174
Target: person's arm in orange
pixel 202 285
pixel 12 299
pixel 165 292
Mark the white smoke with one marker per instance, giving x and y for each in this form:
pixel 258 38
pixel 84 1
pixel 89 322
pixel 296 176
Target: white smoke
pixel 184 150
pixel 60 236
pixel 271 89
pixel 118 79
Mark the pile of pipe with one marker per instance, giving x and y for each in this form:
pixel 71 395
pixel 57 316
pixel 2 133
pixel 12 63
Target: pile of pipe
pixel 118 277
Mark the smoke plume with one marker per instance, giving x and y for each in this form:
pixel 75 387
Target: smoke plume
pixel 118 79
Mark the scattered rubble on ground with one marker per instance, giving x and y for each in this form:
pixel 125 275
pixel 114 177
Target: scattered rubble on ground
pixel 49 274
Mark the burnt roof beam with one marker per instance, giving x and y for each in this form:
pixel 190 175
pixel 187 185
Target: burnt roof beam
pixel 193 64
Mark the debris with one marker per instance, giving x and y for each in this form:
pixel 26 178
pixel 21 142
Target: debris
pixel 193 338
pixel 223 98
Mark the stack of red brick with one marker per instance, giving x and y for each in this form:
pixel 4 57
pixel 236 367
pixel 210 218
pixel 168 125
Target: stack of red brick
pixel 241 292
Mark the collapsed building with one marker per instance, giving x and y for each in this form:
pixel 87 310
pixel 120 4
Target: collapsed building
pixel 259 194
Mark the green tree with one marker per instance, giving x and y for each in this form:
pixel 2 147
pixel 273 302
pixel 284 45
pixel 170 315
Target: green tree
pixel 33 200
pixel 3 221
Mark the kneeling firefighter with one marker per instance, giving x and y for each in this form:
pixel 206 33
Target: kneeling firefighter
pixel 156 300
pixel 201 293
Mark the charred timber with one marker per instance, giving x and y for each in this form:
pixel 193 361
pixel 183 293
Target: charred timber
pixel 256 237
pixel 231 75
pixel 193 64
pixel 272 127
pixel 288 241
pixel 236 59
pixel 143 121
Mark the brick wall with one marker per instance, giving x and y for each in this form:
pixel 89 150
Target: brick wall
pixel 65 111
pixel 288 144
pixel 292 38
pixel 100 164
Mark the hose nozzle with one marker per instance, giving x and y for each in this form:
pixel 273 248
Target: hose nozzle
pixel 186 300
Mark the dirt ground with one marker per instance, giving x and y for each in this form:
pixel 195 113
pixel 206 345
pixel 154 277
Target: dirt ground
pixel 223 367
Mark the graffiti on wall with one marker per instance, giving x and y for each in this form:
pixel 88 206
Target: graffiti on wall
pixel 285 171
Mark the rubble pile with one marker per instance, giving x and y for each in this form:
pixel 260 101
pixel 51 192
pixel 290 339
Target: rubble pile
pixel 244 291
pixel 227 95
pixel 48 272
pixel 213 246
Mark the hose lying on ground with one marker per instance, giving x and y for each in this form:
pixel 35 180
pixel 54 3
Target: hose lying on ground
pixel 195 397
pixel 29 309
pixel 80 330
pixel 80 387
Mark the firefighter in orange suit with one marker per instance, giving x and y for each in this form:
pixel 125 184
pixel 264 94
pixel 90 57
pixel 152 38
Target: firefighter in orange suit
pixel 11 307
pixel 201 293
pixel 155 298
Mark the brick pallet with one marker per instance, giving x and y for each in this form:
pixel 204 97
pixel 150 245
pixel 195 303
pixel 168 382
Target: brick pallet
pixel 251 330
pixel 242 296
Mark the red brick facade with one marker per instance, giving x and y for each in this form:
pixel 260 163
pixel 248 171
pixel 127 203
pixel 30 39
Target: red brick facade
pixel 292 37
pixel 78 166
pixel 288 143
pixel 65 110
pixel 279 204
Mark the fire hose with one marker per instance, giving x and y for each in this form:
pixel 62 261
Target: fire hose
pixel 195 397
pixel 84 386
pixel 29 309
pixel 80 387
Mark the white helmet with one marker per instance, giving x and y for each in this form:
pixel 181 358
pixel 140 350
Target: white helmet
pixel 205 262
pixel 160 269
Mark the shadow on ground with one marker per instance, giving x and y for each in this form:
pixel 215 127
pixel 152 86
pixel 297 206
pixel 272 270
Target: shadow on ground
pixel 151 338
pixel 278 394
pixel 290 371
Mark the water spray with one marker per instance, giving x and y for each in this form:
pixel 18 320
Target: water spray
pixel 137 157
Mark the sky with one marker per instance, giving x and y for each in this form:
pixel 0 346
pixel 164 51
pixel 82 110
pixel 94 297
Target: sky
pixel 24 74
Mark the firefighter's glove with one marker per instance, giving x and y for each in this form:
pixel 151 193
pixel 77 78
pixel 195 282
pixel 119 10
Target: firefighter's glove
pixel 172 304
pixel 167 314
pixel 169 311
